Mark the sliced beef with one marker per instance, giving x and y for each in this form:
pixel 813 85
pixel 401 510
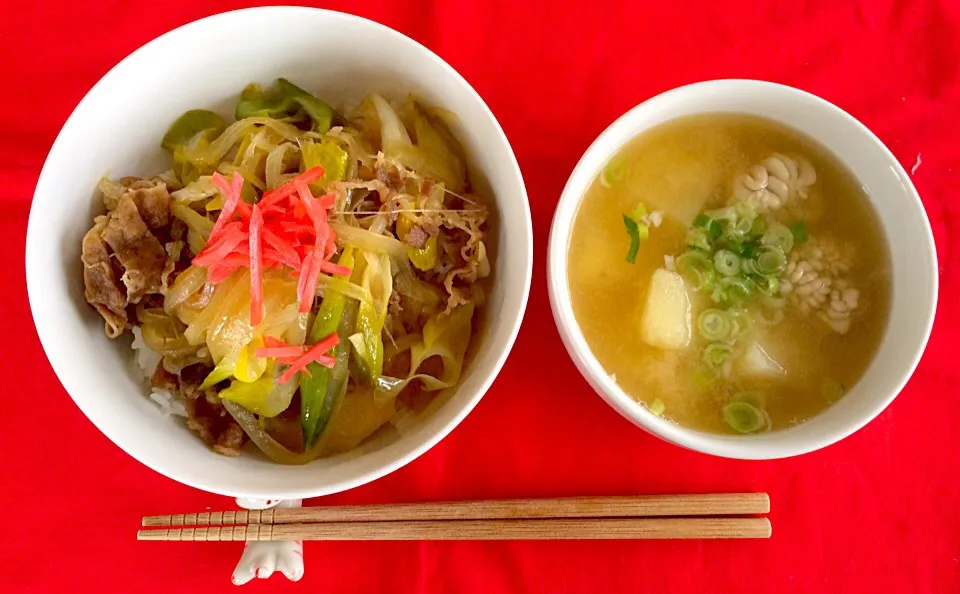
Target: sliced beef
pixel 137 250
pixel 417 237
pixel 102 286
pixel 165 380
pixel 389 176
pixel 230 440
pixel 191 377
pixel 152 200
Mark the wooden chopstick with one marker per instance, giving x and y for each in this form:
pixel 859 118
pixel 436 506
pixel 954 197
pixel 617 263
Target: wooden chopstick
pixel 539 529
pixel 717 504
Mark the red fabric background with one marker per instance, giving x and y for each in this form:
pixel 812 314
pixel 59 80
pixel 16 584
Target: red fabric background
pixel 878 512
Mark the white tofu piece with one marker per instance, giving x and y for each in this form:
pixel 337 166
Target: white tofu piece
pixel 757 361
pixel 666 316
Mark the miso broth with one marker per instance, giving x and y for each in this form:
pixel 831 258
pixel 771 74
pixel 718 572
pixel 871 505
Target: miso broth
pixel 729 273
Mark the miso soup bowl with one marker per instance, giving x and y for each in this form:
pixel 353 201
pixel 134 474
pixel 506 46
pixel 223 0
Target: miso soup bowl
pixel 117 128
pixel 894 198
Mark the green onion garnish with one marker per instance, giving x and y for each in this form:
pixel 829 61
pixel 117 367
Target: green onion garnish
pixel 703 221
pixel 614 173
pixel 743 226
pixel 733 289
pixel 779 236
pixel 639 212
pixel 750 250
pixel 716 354
pixel 726 263
pixel 703 376
pixel 741 321
pixel 633 230
pixel 768 284
pixel 713 228
pixel 799 231
pixel 744 417
pixel 695 266
pixel 657 407
pixel 700 239
pixel 771 260
pixel 714 324
pixel 831 390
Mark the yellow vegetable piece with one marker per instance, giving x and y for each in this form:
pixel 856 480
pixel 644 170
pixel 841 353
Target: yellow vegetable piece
pixel 405 222
pixel 264 397
pixel 424 258
pixel 223 370
pixel 249 367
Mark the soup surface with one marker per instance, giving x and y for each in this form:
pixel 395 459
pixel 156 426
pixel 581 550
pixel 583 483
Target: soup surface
pixel 729 273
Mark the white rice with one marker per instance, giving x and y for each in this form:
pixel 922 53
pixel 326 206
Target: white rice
pixel 168 403
pixel 147 360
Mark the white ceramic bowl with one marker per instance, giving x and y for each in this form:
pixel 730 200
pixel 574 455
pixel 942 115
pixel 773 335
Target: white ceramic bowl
pixel 901 213
pixel 117 129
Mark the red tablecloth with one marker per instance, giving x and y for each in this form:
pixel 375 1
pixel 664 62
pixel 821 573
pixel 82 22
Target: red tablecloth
pixel 879 512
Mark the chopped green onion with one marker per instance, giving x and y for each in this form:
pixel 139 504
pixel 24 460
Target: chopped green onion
pixel 700 239
pixel 799 231
pixel 695 266
pixel 744 417
pixel 633 230
pixel 732 289
pixel 712 227
pixel 703 376
pixel 716 354
pixel 692 260
pixel 771 260
pixel 644 230
pixel 614 173
pixel 750 250
pixel 741 321
pixel 657 407
pixel 714 324
pixel 779 236
pixel 767 284
pixel 743 226
pixel 639 212
pixel 758 227
pixel 715 230
pixel 831 390
pixel 726 263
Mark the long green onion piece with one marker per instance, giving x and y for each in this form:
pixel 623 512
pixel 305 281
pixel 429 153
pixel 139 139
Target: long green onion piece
pixel 744 417
pixel 633 230
pixel 714 324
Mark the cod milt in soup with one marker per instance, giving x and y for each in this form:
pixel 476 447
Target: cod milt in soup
pixel 729 274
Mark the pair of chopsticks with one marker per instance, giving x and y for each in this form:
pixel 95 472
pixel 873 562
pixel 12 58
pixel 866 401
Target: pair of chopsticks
pixel 642 517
